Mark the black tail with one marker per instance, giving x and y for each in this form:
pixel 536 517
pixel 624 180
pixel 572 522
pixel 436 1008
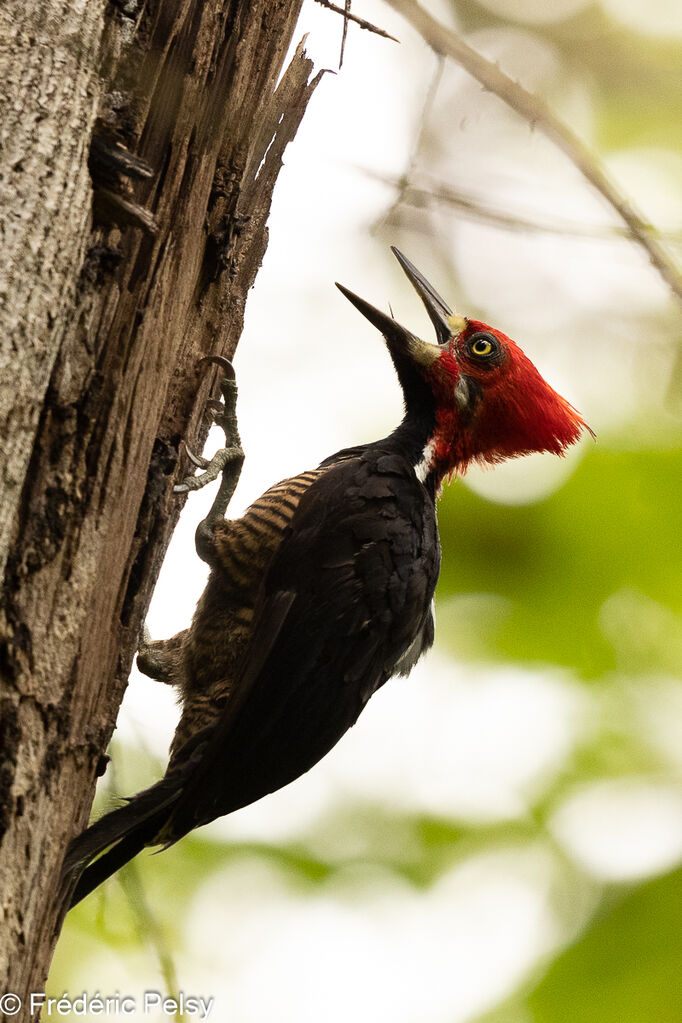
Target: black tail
pixel 123 833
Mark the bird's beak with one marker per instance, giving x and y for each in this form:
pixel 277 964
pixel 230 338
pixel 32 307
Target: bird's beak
pixel 401 341
pixel 448 324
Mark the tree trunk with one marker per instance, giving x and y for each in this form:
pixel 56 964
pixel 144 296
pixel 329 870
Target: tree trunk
pixel 140 146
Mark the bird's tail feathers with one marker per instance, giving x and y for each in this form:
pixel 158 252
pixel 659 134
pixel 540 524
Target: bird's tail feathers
pixel 117 837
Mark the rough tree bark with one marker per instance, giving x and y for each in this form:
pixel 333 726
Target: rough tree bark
pixel 141 141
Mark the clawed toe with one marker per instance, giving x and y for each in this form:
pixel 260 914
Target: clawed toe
pixel 222 361
pixel 187 484
pixel 197 460
pixel 212 469
pixel 226 462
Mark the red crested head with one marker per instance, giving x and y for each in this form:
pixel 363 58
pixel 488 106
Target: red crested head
pixel 487 398
pixel 491 402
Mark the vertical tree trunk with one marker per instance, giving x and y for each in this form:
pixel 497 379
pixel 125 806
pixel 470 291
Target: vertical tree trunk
pixel 141 142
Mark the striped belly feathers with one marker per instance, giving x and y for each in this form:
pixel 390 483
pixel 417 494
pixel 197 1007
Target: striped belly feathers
pixel 245 546
pixel 222 623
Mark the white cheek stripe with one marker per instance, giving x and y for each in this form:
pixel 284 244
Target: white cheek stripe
pixel 425 465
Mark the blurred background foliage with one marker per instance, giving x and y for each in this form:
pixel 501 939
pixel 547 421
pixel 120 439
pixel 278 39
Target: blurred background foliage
pixel 499 840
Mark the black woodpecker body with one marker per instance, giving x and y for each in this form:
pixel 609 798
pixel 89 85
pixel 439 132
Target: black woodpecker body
pixel 318 594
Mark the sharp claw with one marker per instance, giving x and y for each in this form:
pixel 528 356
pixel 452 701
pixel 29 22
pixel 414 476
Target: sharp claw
pixel 222 361
pixel 197 460
pixel 224 415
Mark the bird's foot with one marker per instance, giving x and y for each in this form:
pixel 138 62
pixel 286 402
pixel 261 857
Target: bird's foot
pixel 224 414
pixel 161 659
pixel 226 463
pixel 212 469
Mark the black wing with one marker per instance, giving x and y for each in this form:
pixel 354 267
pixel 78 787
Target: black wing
pixel 348 593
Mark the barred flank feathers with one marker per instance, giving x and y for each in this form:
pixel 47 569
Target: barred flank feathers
pixel 248 544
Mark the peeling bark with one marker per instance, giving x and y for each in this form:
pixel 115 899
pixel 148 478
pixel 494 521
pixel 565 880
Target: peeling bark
pixel 140 151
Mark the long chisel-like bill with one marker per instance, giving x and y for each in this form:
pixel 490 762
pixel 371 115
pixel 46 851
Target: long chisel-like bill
pixel 397 337
pixel 448 324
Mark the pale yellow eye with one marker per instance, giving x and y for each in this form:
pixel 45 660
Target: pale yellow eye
pixel 481 346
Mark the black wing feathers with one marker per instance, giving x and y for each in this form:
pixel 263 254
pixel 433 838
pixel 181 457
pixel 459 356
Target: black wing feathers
pixel 353 544
pixel 346 597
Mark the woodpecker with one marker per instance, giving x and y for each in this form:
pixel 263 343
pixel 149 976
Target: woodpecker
pixel 323 590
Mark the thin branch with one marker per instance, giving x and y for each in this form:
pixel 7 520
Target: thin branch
pixel 403 186
pixel 537 113
pixel 429 102
pixel 478 209
pixel 348 16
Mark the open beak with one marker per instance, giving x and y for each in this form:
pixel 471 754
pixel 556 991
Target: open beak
pixel 447 323
pixel 400 340
pixel 389 327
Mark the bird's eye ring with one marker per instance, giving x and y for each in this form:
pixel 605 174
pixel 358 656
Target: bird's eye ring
pixel 483 345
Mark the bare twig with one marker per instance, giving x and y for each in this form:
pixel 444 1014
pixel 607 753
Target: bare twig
pixel 477 208
pixel 348 16
pixel 404 185
pixel 429 102
pixel 347 12
pixel 537 113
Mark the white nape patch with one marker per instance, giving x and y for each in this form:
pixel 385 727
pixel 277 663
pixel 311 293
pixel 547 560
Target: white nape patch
pixel 425 465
